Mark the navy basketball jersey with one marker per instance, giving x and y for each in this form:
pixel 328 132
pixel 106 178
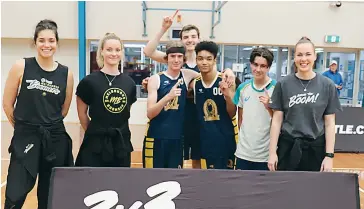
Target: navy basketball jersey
pixel 168 124
pixel 191 68
pixel 190 112
pixel 216 126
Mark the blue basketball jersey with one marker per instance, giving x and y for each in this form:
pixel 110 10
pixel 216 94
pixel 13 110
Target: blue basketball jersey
pixel 168 124
pixel 190 116
pixel 191 68
pixel 217 128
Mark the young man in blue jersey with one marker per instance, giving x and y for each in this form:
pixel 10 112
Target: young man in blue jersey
pixel 190 36
pixel 254 115
pixel 163 146
pixel 215 110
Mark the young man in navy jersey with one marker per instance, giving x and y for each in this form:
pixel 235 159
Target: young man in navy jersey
pixel 190 36
pixel 163 143
pixel 215 111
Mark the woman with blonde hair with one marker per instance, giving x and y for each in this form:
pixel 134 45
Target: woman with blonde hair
pixel 104 100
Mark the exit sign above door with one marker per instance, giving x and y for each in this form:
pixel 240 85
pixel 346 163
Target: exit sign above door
pixel 332 39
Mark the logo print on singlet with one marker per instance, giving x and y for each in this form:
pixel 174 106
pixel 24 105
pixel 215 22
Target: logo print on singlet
pixel 210 110
pixel 43 85
pixel 114 100
pixel 173 104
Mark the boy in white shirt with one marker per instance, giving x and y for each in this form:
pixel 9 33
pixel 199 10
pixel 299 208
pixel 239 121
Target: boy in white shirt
pixel 254 115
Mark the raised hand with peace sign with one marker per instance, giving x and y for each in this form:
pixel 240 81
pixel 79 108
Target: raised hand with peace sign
pixel 228 92
pixel 226 89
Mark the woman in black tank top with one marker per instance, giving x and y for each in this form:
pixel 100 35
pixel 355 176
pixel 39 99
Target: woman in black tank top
pixel 40 141
pixel 106 97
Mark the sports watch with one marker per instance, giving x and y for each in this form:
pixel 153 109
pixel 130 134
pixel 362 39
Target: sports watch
pixel 331 155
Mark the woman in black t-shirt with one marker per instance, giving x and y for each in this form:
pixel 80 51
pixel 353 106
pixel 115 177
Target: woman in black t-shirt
pixel 303 123
pixel 41 91
pixel 104 100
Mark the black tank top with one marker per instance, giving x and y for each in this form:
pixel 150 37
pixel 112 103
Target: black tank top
pixel 41 95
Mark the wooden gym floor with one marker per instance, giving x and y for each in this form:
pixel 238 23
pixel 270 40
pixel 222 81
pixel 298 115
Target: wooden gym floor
pixel 342 161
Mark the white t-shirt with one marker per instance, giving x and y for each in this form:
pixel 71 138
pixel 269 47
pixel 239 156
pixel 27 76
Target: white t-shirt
pixel 253 144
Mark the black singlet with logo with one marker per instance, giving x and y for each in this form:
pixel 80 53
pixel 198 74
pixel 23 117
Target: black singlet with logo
pixel 109 106
pixel 42 94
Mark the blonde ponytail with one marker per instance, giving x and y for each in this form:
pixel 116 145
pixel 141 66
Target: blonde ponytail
pixel 108 36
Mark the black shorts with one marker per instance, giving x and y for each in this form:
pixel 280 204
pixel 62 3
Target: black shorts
pixel 242 164
pixel 192 144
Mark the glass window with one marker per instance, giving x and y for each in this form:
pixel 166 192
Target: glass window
pixel 230 56
pixel 93 52
pixel 282 54
pixel 218 58
pixel 244 59
pixel 137 65
pixel 319 63
pixel 361 80
pixel 346 67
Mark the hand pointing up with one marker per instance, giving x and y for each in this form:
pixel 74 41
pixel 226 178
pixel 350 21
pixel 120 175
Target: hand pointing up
pixel 167 21
pixel 265 98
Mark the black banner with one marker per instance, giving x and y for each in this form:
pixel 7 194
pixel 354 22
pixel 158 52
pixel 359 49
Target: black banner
pixel 350 130
pixel 137 188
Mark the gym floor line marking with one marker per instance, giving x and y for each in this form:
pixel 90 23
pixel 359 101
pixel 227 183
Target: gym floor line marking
pixel 3 184
pixel 348 168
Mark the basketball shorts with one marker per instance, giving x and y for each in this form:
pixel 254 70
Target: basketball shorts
pixel 218 162
pixel 192 145
pixel 162 153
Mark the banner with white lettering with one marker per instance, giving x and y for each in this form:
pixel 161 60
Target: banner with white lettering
pixel 137 188
pixel 350 130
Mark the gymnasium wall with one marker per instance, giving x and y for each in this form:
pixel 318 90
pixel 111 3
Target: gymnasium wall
pixel 272 23
pixel 248 23
pixel 19 18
